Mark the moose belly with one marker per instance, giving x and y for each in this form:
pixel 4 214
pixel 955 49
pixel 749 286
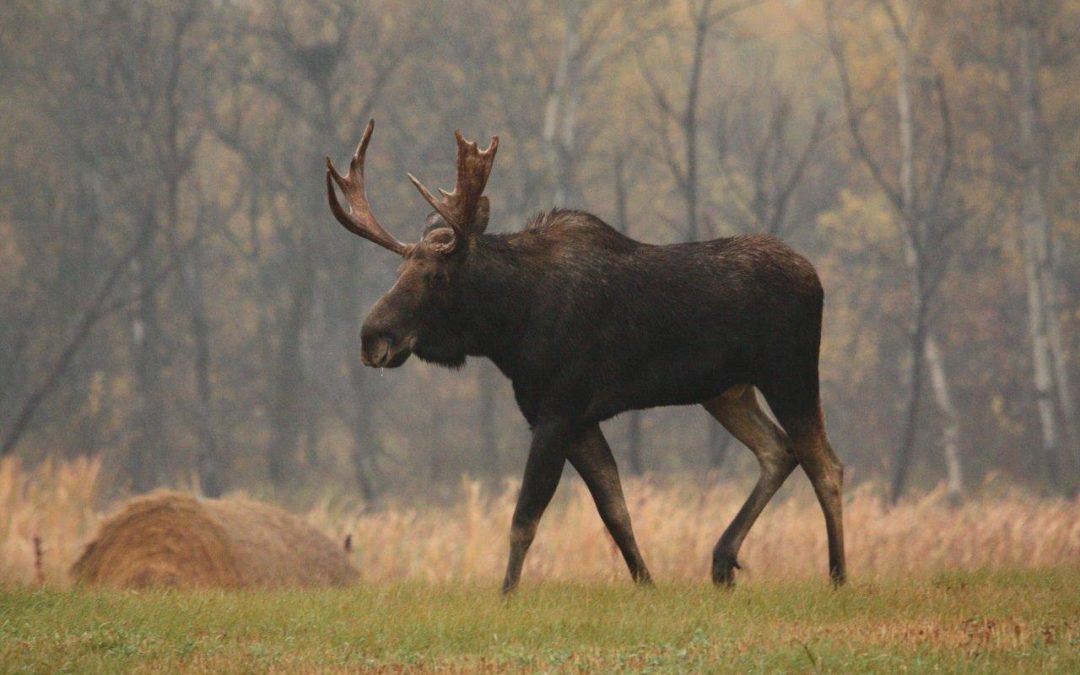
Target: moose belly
pixel 664 382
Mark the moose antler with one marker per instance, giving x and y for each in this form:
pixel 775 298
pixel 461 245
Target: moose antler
pixel 459 208
pixel 359 220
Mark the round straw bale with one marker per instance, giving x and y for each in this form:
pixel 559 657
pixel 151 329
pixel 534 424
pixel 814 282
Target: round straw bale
pixel 170 539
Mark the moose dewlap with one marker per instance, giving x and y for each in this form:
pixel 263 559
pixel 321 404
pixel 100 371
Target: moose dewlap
pixel 175 540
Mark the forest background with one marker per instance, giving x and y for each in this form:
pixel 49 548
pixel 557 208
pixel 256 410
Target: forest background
pixel 176 298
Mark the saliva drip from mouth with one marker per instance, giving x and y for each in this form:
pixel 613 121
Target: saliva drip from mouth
pixel 381 371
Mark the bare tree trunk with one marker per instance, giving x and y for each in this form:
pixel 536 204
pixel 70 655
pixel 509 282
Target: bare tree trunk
pixel 702 23
pixel 150 452
pixel 924 350
pixel 148 444
pixel 950 437
pixel 913 259
pixel 1048 362
pixel 560 111
pixel 190 266
pixel 1071 459
pixel 288 378
pixel 916 373
pixel 208 458
pixel 191 271
pixel 1037 329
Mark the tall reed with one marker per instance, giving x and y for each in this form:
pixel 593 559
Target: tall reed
pixel 676 522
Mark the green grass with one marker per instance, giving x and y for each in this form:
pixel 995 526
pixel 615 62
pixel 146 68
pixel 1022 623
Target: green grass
pixel 1000 621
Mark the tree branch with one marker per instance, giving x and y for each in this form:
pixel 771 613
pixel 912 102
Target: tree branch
pixel 99 309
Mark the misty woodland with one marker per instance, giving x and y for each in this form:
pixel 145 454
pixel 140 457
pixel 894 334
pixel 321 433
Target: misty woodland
pixel 177 299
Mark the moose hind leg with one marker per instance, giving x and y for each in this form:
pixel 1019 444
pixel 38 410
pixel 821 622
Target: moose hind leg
pixel 804 422
pixel 741 414
pixel 543 469
pixel 826 474
pixel 592 458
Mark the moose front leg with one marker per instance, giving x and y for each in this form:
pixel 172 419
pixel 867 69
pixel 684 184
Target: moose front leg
pixel 547 455
pixel 592 458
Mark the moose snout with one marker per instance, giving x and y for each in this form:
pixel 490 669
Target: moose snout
pixel 382 349
pixel 375 350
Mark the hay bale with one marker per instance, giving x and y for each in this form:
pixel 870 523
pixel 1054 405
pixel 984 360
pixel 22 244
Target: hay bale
pixel 174 540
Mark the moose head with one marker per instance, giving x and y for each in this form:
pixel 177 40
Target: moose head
pixel 421 313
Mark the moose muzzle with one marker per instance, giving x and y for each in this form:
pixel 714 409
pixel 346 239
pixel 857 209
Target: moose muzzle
pixel 383 351
pixel 380 348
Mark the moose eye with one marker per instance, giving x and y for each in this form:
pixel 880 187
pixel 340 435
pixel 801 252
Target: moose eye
pixel 436 278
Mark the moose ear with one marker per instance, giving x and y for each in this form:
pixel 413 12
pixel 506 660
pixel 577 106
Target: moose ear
pixel 433 221
pixel 483 210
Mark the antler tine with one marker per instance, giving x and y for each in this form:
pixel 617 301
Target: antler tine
pixel 359 219
pixel 459 208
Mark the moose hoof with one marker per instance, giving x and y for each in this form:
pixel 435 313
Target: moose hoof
pixel 723 570
pixel 644 580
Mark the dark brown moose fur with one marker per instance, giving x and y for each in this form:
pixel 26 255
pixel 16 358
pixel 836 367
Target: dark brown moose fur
pixel 588 323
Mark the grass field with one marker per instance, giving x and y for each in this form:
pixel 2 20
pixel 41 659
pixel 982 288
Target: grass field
pixel 1004 621
pixel 988 585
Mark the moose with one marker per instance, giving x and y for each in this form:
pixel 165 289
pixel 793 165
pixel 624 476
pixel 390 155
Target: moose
pixel 588 323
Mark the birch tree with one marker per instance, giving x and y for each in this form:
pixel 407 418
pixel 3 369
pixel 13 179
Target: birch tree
pixel 1053 390
pixel 917 193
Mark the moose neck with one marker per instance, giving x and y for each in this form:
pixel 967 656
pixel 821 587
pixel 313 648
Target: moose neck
pixel 497 296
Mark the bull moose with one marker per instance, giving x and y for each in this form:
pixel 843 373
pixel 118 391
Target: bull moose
pixel 588 323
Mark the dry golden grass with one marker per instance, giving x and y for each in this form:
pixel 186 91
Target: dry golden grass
pixel 56 501
pixel 677 525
